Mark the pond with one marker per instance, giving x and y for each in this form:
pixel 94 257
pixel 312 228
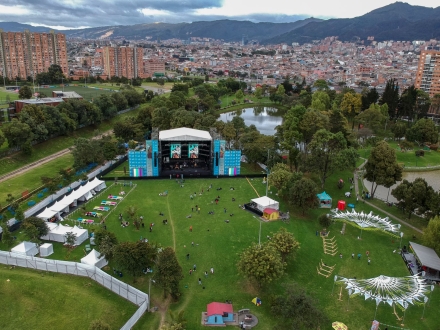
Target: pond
pixel 265 119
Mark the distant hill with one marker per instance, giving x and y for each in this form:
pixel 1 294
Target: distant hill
pixel 18 27
pixel 397 21
pixel 227 30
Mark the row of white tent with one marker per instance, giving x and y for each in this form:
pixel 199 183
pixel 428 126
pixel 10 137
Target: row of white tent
pixel 30 249
pixel 57 233
pixel 83 193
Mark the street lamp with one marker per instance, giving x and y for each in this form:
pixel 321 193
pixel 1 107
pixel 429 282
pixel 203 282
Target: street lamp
pixel 149 294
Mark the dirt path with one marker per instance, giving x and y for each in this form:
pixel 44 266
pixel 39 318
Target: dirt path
pixel 42 161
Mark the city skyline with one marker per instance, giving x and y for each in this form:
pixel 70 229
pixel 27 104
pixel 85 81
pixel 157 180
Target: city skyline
pixel 80 13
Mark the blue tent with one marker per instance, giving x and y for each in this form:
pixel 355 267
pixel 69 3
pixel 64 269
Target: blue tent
pixel 325 201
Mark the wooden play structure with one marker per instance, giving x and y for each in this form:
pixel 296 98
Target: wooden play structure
pixel 330 246
pixel 325 270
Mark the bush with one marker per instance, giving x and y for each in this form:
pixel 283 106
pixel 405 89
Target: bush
pixel 420 153
pixel 433 147
pixel 406 145
pixel 324 220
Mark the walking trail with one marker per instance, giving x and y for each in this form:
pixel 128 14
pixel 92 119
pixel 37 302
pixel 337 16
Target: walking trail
pixel 357 173
pixel 42 161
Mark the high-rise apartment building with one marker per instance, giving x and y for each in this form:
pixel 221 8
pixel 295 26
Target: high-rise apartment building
pixel 154 67
pixel 123 61
pixel 25 54
pixel 428 72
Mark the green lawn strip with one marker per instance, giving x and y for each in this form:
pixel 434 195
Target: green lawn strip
pixel 39 300
pixel 219 248
pixel 32 179
pixel 54 145
pixel 167 85
pixel 4 96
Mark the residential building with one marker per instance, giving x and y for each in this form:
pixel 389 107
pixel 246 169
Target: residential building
pixel 25 54
pixel 428 72
pixel 154 68
pixel 123 61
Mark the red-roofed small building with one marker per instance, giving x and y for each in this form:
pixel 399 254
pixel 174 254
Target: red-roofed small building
pixel 218 313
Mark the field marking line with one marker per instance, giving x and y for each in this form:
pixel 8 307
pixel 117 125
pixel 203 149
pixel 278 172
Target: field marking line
pixel 252 187
pixel 172 224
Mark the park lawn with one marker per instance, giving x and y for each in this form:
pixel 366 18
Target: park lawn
pixel 44 300
pixel 32 179
pixel 219 248
pixel 167 85
pixel 4 96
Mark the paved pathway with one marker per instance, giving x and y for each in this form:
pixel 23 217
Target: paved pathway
pixel 356 187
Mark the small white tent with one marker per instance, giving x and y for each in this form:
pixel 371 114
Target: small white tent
pixel 26 248
pixel 266 202
pixel 58 234
pixel 81 234
pixel 93 259
pixel 47 214
pixel 46 249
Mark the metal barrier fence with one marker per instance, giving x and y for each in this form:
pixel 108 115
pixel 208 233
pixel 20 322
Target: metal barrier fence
pixel 74 268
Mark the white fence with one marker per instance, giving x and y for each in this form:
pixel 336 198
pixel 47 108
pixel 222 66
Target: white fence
pixel 74 268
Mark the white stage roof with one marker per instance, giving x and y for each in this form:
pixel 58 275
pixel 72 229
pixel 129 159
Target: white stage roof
pixel 184 134
pixel 427 256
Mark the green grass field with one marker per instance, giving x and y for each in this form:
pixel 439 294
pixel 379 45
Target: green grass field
pixel 4 96
pixel 32 179
pixel 42 300
pixel 88 93
pixel 218 243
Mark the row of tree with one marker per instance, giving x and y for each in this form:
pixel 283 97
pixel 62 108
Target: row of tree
pixel 37 123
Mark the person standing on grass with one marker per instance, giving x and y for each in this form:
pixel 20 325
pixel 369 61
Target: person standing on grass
pixel 187 256
pixel 359 256
pixel 190 228
pixel 195 267
pixel 352 256
pixel 200 281
pixel 206 274
pixel 190 271
pixel 212 270
pixel 369 261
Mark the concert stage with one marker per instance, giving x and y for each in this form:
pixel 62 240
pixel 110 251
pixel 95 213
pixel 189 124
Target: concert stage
pixel 184 151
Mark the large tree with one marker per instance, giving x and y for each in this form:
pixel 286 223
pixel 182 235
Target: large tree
pixel 294 309
pixel 86 151
pixel 372 118
pixel 25 93
pixel 328 153
pixel 431 234
pixel 133 257
pixel 390 96
pixel 168 272
pixel 382 167
pixel 17 133
pixel 414 196
pixel 284 242
pixel 34 228
pixel 424 130
pixel 351 105
pixel 7 238
pixel 302 195
pixel 128 129
pixel 105 243
pixel 261 263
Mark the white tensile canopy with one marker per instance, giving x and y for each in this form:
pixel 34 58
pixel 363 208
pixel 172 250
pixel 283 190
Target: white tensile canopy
pixel 365 220
pixel 184 134
pixel 82 193
pixel 46 249
pixel 93 259
pixel 390 290
pixel 26 248
pixel 60 206
pixel 266 202
pixel 58 234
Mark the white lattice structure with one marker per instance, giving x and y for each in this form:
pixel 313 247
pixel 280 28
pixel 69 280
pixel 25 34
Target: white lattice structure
pixel 392 290
pixel 365 220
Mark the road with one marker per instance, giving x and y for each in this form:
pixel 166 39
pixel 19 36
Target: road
pixel 42 161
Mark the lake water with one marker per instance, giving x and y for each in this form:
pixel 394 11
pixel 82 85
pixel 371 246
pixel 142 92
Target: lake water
pixel 265 119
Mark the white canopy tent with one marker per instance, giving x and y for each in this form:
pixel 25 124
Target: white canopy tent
pixel 60 207
pixel 93 259
pixel 26 248
pixel 58 234
pixel 49 214
pixel 184 134
pixel 266 202
pixel 46 249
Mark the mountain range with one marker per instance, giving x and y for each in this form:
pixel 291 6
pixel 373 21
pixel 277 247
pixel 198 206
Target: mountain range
pixel 397 21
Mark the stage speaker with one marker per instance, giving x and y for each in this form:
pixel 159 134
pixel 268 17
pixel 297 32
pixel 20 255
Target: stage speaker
pixel 155 159
pixel 216 159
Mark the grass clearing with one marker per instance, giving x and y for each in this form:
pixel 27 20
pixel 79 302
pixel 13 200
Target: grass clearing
pixel 44 300
pixel 217 244
pixel 32 179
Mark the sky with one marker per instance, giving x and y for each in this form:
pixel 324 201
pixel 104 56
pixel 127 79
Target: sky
pixel 71 14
